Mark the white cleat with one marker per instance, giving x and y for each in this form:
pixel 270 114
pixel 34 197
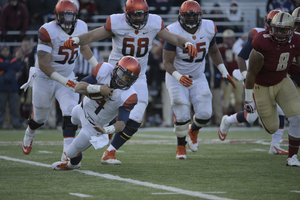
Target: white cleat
pixel 27 143
pixel 276 150
pixel 109 157
pixel 193 140
pixel 293 161
pixel 64 157
pixel 224 127
pixel 60 165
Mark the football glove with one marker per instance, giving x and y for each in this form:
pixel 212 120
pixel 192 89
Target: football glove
pixel 71 42
pixel 249 107
pixel 191 48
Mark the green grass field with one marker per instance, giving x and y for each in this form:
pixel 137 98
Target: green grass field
pixel 238 168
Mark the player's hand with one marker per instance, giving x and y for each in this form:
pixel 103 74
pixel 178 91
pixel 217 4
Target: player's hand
pixel 71 84
pixel 249 106
pixel 186 81
pixel 229 79
pixel 106 91
pixel 69 43
pixel 99 128
pixel 191 48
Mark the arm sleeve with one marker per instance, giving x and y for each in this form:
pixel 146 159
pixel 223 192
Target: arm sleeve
pixel 170 47
pixel 90 79
pixel 124 112
pixel 245 51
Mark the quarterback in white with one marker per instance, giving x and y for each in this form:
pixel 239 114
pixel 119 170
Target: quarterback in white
pixel 101 107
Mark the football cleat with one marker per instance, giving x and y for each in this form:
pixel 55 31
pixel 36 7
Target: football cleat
pixel 64 157
pixel 293 161
pixel 224 127
pixel 27 144
pixel 109 157
pixel 62 165
pixel 193 142
pixel 181 152
pixel 276 150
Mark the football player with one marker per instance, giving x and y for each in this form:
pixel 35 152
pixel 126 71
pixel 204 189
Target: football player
pixel 267 82
pixel 54 72
pixel 243 116
pixel 132 34
pixel 95 113
pixel 186 80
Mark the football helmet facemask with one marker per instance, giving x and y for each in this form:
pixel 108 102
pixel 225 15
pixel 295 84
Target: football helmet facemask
pixel 66 14
pixel 269 18
pixel 296 16
pixel 125 73
pixel 136 12
pixel 190 15
pixel 282 28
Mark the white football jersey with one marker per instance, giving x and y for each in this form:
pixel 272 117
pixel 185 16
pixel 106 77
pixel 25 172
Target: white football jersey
pixel 185 64
pixel 62 59
pixel 102 112
pixel 128 41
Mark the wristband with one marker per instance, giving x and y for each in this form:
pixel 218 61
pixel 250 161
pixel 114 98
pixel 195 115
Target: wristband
pixel 248 95
pixel 109 129
pixel 221 67
pixel 176 75
pixel 244 74
pixel 93 88
pixel 76 40
pixel 93 61
pixel 59 78
pixel 186 44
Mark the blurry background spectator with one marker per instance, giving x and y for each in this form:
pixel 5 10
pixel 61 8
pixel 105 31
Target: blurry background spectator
pixel 296 3
pixel 234 14
pixel 37 10
pixel 230 61
pixel 160 6
pixel 87 9
pixel 220 28
pixel 108 7
pixel 9 87
pixel 283 5
pixel 14 17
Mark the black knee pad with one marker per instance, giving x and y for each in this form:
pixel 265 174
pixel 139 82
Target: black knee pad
pixel 67 124
pixel 32 124
pixel 132 126
pixel 202 121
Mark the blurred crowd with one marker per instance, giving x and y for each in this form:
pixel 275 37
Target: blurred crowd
pixel 15 62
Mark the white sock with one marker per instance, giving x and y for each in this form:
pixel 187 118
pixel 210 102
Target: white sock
pixel 276 137
pixel 29 132
pixel 232 119
pixel 67 142
pixel 111 147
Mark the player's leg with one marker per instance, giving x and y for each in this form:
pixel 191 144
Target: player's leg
pixel 289 100
pixel 201 98
pixel 42 97
pixel 227 89
pixel 235 118
pixel 276 137
pixel 67 100
pixel 134 122
pixel 180 103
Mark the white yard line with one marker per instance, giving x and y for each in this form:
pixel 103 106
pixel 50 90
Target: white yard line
pixel 128 180
pixel 80 195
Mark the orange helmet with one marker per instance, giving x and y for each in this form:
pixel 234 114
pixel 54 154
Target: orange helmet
pixel 66 14
pixel 269 18
pixel 190 14
pixel 125 73
pixel 134 10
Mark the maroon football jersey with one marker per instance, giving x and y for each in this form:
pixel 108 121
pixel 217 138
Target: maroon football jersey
pixel 277 59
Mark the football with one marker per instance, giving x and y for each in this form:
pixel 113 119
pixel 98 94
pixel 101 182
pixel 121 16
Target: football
pixel 96 96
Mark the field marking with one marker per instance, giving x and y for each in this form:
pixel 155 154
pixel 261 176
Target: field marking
pixel 128 180
pixel 296 191
pixel 80 195
pixel 47 152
